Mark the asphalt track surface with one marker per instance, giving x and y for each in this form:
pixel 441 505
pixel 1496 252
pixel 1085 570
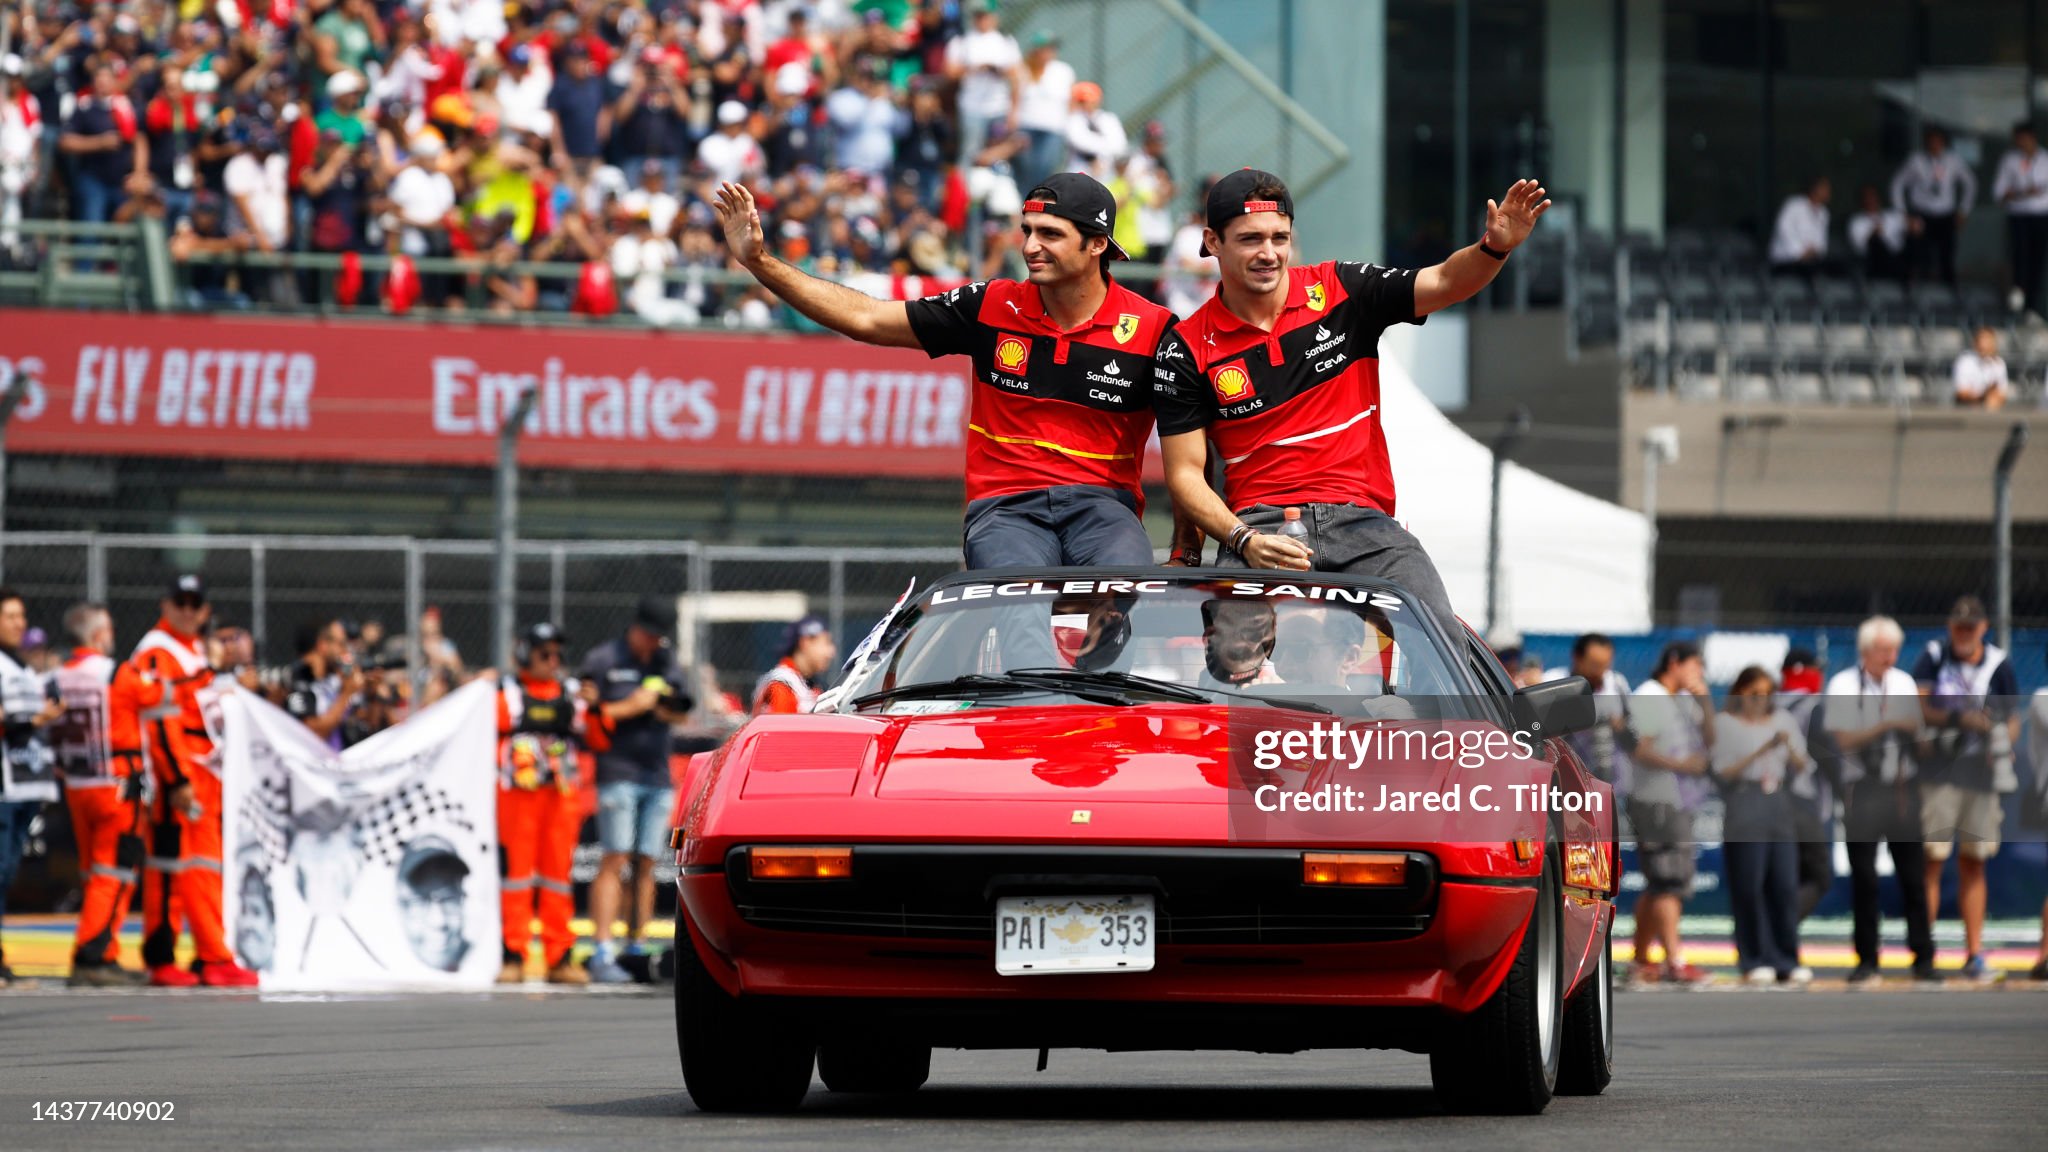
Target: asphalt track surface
pixel 1715 1069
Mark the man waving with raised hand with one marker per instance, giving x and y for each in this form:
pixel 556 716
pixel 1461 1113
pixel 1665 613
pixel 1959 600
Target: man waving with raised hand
pixel 1062 401
pixel 1280 370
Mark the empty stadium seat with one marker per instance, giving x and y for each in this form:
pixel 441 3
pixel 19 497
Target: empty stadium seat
pixel 1752 388
pixel 1855 388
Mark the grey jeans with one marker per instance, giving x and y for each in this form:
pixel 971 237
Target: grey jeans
pixel 1079 524
pixel 1360 541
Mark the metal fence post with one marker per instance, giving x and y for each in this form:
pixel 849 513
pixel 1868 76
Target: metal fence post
pixel 700 586
pixel 505 588
pixel 259 594
pixel 415 606
pixel 2001 515
pixel 96 569
pixel 558 583
pixel 836 597
pixel 1504 445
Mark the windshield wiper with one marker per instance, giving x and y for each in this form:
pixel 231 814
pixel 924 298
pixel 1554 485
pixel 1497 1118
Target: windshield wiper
pixel 1162 688
pixel 976 684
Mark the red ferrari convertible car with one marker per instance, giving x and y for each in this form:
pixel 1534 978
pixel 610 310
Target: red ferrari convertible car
pixel 1150 809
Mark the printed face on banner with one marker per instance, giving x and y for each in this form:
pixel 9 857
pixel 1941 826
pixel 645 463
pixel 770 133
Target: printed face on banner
pixel 374 868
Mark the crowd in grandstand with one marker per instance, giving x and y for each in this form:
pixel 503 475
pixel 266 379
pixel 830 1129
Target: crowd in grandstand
pixel 889 142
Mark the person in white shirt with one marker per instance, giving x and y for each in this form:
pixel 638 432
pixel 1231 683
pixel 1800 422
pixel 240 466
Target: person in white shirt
pixel 1190 273
pixel 1980 374
pixel 2022 186
pixel 1758 751
pixel 1872 715
pixel 652 199
pixel 984 63
pixel 1937 189
pixel 639 259
pixel 731 153
pixel 1095 135
pixel 1045 99
pixel 1877 234
pixel 1799 243
pixel 1670 711
pixel 523 89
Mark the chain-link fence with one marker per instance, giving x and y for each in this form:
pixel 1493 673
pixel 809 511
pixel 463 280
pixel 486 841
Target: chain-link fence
pixel 733 601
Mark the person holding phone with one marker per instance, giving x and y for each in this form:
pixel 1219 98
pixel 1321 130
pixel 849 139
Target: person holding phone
pixel 1758 749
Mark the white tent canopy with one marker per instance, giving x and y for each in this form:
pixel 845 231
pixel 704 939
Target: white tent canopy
pixel 1569 562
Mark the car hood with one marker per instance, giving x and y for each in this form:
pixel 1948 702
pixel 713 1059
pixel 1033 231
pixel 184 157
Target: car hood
pixel 1166 754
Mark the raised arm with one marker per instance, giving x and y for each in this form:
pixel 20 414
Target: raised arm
pixel 843 310
pixel 1469 269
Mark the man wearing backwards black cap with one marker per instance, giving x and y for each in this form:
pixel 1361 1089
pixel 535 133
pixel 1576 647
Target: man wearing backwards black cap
pixel 640 689
pixel 1281 371
pixel 1062 366
pixel 807 653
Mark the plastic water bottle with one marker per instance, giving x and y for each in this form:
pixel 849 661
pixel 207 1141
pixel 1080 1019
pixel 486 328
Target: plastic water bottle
pixel 1291 525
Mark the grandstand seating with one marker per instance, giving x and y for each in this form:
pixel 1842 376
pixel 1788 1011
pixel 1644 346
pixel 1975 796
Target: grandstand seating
pixel 1702 312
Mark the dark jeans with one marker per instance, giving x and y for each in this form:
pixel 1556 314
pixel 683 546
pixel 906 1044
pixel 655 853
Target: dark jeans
pixel 1362 542
pixel 93 199
pixel 2029 256
pixel 1932 254
pixel 1874 811
pixel 1761 859
pixel 14 821
pixel 1072 524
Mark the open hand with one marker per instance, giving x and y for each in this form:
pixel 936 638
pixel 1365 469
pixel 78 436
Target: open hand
pixel 741 220
pixel 1509 222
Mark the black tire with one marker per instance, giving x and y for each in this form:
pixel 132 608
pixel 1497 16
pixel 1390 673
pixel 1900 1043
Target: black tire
pixel 737 1056
pixel 1503 1059
pixel 881 1067
pixel 1588 1064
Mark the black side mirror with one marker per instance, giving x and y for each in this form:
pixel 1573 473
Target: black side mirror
pixel 1554 707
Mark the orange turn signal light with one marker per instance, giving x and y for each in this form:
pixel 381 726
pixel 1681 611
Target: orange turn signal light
pixel 808 863
pixel 1525 848
pixel 1354 869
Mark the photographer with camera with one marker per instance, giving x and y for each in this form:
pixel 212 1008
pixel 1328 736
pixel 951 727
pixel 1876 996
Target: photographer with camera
pixel 325 683
pixel 640 688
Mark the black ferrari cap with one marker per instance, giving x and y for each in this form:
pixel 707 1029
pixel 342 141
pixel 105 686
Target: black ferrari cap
pixel 187 586
pixel 656 614
pixel 1080 199
pixel 1238 194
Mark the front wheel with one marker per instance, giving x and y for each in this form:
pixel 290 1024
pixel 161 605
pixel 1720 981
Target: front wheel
pixel 1588 1064
pixel 1503 1059
pixel 738 1055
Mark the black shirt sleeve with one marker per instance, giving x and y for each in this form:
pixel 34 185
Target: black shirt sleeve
pixel 1181 398
pixel 946 323
pixel 1385 295
pixel 301 701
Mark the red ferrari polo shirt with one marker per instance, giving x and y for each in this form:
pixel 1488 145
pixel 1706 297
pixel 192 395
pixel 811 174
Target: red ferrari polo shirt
pixel 1050 407
pixel 1295 412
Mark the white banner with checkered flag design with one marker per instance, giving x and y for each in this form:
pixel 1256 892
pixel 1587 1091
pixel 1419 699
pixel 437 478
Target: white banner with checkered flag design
pixel 371 868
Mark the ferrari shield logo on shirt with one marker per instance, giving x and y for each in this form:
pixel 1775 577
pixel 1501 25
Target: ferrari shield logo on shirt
pixel 1232 384
pixel 1316 300
pixel 1013 354
pixel 1126 327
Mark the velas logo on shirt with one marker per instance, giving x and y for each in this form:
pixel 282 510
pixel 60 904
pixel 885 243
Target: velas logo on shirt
pixel 1126 327
pixel 1232 384
pixel 1316 300
pixel 1013 354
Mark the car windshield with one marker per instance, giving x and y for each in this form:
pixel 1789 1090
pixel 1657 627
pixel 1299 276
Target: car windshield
pixel 1324 643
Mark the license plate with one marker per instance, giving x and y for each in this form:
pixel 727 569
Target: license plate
pixel 1038 935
